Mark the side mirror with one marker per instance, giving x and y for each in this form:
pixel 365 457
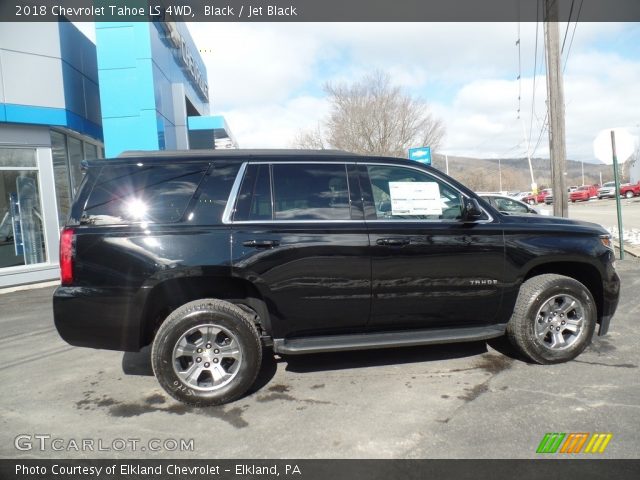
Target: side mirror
pixel 472 210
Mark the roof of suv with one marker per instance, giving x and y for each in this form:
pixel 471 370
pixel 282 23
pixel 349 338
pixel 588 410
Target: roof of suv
pixel 167 156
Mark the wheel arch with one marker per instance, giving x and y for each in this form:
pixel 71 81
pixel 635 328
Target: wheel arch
pixel 585 273
pixel 166 296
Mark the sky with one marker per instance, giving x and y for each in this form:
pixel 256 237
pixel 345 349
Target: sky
pixel 267 78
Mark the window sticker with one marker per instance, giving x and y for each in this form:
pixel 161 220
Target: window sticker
pixel 415 198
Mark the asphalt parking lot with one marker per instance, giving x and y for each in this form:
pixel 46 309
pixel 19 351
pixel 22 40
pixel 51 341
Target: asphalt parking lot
pixel 452 401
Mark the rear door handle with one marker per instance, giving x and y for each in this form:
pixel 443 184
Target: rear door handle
pixel 261 243
pixel 393 241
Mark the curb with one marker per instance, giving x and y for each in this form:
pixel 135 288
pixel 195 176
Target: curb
pixel 632 250
pixel 31 286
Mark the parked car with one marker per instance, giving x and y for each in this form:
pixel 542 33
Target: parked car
pixel 548 198
pixel 536 198
pixel 629 190
pixel 520 195
pixel 584 193
pixel 508 205
pixel 607 190
pixel 212 257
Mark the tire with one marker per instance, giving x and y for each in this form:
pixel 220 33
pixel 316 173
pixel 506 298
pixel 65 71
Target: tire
pixel 628 194
pixel 216 339
pixel 538 312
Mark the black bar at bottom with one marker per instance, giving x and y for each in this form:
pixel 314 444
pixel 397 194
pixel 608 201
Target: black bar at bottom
pixel 582 469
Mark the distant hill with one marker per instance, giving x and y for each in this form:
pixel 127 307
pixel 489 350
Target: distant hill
pixel 482 174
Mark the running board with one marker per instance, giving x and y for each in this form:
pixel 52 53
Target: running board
pixel 405 338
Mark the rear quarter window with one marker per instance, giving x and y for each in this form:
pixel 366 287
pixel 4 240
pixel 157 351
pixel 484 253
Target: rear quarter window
pixel 142 193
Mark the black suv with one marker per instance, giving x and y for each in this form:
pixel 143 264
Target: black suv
pixel 212 255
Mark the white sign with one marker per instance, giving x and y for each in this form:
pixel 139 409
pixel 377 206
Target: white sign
pixel 625 145
pixel 415 198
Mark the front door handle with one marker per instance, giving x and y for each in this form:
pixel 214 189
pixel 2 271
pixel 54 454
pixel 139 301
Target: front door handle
pixel 393 241
pixel 261 243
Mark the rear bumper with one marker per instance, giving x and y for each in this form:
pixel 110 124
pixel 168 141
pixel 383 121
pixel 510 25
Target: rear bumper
pixel 107 318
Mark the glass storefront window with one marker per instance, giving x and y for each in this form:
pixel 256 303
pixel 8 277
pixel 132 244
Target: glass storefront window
pixel 17 157
pixel 76 156
pixel 90 151
pixel 61 175
pixel 21 222
pixel 68 152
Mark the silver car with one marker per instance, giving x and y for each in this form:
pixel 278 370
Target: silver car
pixel 508 205
pixel 607 190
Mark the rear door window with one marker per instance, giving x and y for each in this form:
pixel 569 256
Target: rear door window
pixel 254 198
pixel 295 192
pixel 311 192
pixel 142 193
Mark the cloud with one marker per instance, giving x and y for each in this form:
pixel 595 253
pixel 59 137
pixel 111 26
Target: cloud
pixel 275 125
pixel 482 119
pixel 267 78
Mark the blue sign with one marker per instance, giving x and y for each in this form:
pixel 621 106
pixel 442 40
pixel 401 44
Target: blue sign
pixel 420 154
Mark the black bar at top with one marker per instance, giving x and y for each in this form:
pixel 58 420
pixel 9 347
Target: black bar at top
pixel 315 10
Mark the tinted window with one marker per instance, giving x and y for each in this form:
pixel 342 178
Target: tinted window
pixel 211 198
pixel 406 193
pixel 254 198
pixel 158 194
pixel 311 192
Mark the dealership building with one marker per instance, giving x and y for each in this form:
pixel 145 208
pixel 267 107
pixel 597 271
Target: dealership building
pixel 64 99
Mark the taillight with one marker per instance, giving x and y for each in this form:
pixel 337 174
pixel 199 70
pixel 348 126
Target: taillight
pixel 66 256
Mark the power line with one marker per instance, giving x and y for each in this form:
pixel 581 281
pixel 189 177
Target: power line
pixel 535 70
pixel 542 130
pixel 566 59
pixel 567 29
pixel 519 72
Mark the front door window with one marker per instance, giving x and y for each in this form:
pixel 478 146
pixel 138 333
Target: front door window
pixel 401 193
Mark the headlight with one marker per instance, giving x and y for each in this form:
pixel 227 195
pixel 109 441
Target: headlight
pixel 606 241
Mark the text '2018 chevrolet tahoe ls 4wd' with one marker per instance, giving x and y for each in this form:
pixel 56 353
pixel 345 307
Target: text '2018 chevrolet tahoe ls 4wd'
pixel 210 256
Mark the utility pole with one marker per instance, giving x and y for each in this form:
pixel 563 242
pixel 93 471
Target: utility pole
pixel 555 94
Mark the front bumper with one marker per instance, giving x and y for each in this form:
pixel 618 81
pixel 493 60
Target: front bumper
pixel 610 298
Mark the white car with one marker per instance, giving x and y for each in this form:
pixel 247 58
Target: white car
pixel 607 190
pixel 509 205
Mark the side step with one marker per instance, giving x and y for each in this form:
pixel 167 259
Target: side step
pixel 405 338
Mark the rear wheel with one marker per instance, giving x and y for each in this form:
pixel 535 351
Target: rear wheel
pixel 553 320
pixel 206 352
pixel 628 194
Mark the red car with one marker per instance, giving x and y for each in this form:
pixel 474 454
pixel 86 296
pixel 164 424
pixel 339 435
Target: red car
pixel 584 193
pixel 628 190
pixel 539 198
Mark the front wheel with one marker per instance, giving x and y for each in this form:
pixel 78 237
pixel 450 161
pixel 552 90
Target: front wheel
pixel 553 320
pixel 628 194
pixel 207 352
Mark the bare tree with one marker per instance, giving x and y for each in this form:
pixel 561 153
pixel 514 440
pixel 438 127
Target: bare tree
pixel 373 116
pixel 310 139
